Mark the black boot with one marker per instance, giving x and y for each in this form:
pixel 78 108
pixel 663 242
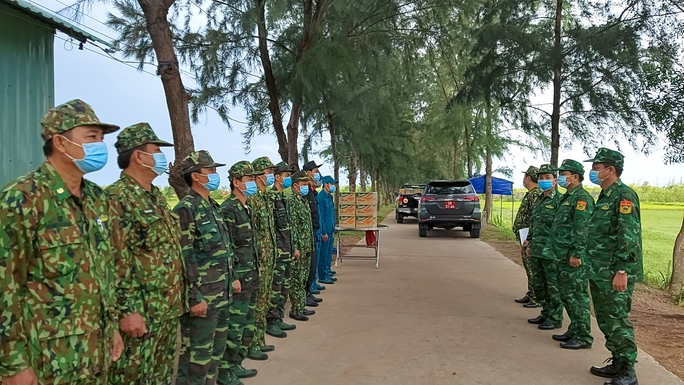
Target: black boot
pixel 565 337
pixel 524 299
pixel 626 376
pixel 537 321
pixel 608 371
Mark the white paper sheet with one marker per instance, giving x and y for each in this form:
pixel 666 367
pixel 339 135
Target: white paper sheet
pixel 523 235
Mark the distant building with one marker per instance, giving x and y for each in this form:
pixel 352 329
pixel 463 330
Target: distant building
pixel 27 81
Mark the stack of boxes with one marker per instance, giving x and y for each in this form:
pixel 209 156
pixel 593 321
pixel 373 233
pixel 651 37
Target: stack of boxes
pixel 358 210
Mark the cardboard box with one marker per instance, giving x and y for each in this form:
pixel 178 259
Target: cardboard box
pixel 366 211
pixel 366 198
pixel 348 221
pixel 347 198
pixel 347 210
pixel 366 222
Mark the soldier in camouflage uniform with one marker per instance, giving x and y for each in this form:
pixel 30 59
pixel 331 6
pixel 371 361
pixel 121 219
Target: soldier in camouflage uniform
pixel 280 289
pixel 302 243
pixel 243 308
pixel 615 254
pixel 58 313
pixel 544 269
pixel 262 208
pixel 149 261
pixel 567 246
pixel 209 272
pixel 523 220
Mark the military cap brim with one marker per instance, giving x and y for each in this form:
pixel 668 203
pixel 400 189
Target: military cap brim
pixel 310 165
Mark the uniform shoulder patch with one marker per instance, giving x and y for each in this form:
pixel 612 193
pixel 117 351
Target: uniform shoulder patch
pixel 581 205
pixel 625 206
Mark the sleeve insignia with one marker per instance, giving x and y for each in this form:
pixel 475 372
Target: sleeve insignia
pixel 625 207
pixel 581 205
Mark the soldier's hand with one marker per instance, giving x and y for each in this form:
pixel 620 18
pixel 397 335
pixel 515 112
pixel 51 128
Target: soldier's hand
pixel 25 377
pixel 133 325
pixel 199 310
pixel 620 282
pixel 575 262
pixel 296 254
pixel 118 346
pixel 237 287
pixel 324 238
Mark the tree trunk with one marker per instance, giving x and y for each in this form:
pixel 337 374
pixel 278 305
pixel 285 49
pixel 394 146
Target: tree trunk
pixel 363 177
pixel 335 155
pixel 271 86
pixel 293 134
pixel 488 166
pixel 156 12
pixel 352 171
pixel 469 151
pixel 677 279
pixel 557 66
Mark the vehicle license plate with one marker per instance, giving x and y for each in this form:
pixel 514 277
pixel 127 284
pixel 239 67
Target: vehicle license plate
pixel 450 205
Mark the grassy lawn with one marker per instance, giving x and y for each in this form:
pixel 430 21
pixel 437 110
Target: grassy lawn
pixel 660 224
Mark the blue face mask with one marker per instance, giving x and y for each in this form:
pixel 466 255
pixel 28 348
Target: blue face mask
pixel 317 176
pixel 304 190
pixel 95 157
pixel 594 177
pixel 546 185
pixel 333 188
pixel 250 188
pixel 270 179
pixel 562 181
pixel 287 182
pixel 214 182
pixel 160 163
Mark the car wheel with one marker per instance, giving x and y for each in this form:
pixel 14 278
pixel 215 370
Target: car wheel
pixel 474 233
pixel 467 227
pixel 422 230
pixel 449 228
pixel 400 218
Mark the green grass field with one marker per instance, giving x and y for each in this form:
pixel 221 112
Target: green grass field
pixel 660 224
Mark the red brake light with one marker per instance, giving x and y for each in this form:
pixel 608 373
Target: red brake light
pixel 425 199
pixel 472 198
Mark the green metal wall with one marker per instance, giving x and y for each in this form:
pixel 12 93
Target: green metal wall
pixel 26 91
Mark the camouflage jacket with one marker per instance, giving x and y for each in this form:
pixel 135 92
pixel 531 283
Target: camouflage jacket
pixel 543 214
pixel 569 233
pixel 282 226
pixel 523 219
pixel 302 230
pixel 56 275
pixel 264 224
pixel 241 230
pixel 614 240
pixel 207 251
pixel 149 260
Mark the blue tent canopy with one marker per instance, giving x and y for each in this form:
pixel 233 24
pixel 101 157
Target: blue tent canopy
pixel 499 186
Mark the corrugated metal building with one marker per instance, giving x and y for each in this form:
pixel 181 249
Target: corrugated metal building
pixel 27 80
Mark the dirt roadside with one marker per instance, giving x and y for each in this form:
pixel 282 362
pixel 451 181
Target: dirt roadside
pixel 658 321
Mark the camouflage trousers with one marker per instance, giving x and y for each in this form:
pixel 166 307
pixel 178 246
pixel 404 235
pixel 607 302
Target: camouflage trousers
pixel 300 274
pixel 612 310
pixel 545 286
pixel 263 304
pixel 574 288
pixel 148 360
pixel 241 316
pixel 281 287
pixel 528 271
pixel 203 346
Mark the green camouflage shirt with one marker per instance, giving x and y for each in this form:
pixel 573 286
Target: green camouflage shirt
pixel 523 219
pixel 241 230
pixel 149 260
pixel 282 226
pixel 56 271
pixel 569 233
pixel 261 204
pixel 543 214
pixel 207 251
pixel 614 240
pixel 302 230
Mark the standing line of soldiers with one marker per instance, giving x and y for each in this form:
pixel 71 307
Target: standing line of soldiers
pixel 98 285
pixel 575 247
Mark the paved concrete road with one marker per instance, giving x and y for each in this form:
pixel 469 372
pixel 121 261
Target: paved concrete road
pixel 439 310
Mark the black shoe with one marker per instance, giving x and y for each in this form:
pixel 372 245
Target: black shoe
pixel 548 326
pixel 537 321
pixel 308 312
pixel 299 317
pixel 608 371
pixel 267 348
pixel 565 337
pixel 624 377
pixel 311 302
pixel 573 344
pixel 524 299
pixel 531 305
pixel 315 291
pixel 316 299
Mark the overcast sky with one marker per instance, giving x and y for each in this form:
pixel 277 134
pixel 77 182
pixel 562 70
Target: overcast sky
pixel 122 95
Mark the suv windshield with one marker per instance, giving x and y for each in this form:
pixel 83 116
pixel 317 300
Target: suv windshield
pixel 450 188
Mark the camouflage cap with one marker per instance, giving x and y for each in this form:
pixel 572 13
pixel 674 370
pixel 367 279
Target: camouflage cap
pixel 70 115
pixel 283 167
pixel 608 156
pixel 300 176
pixel 262 163
pixel 573 166
pixel 547 169
pixel 137 135
pixel 531 171
pixel 242 168
pixel 197 160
